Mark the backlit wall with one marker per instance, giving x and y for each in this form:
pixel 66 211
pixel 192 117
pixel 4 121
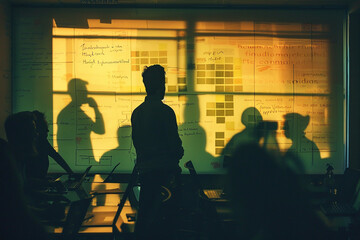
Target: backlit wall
pixel 82 67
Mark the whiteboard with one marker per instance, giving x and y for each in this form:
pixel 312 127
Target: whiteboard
pixel 278 62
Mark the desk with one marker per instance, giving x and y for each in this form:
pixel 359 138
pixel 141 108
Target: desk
pixel 106 204
pixel 101 232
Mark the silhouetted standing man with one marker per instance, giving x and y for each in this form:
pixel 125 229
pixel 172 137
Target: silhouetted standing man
pixel 159 150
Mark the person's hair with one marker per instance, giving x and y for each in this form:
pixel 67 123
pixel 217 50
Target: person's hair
pixel 153 78
pixel 20 127
pixel 41 124
pixel 20 131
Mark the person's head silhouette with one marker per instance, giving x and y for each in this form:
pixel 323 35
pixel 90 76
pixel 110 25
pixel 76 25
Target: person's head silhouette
pixel 21 132
pixel 295 124
pixel 77 90
pixel 251 117
pixel 124 136
pixel 41 124
pixel 154 80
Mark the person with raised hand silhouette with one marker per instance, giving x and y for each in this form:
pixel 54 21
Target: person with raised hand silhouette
pixel 74 124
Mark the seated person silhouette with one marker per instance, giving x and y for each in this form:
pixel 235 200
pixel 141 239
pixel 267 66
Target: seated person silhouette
pixel 18 222
pixel 301 147
pixel 268 200
pixel 159 150
pixel 39 167
pixel 21 133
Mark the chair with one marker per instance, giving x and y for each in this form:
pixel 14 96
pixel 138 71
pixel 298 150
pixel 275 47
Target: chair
pixel 128 190
pixel 202 220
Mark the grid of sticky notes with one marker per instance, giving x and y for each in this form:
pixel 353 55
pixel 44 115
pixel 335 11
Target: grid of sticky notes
pixel 223 111
pixel 221 75
pixel 142 59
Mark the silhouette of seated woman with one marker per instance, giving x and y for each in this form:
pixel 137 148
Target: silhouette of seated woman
pixel 39 167
pixel 268 200
pixel 302 147
pixel 22 136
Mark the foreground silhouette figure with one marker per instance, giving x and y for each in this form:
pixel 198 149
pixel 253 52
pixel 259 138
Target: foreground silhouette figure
pixel 19 223
pixel 39 167
pixel 268 200
pixel 159 150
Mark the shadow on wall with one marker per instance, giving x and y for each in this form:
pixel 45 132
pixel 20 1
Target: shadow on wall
pixel 75 126
pixel 193 137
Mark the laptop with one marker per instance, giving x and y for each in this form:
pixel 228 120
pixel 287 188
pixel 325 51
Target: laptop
pixel 348 201
pixel 73 184
pixel 216 195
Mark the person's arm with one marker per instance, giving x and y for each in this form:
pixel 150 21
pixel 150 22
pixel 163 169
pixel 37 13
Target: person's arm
pixel 99 126
pixel 175 143
pixel 57 157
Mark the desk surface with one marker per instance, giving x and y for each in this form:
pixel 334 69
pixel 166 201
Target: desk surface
pixel 106 198
pixel 121 224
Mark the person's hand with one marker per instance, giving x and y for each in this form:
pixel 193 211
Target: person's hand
pixel 92 103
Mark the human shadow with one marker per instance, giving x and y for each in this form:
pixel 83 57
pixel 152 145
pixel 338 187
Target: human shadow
pixel 124 153
pixel 75 126
pixel 193 136
pixel 250 118
pixel 301 147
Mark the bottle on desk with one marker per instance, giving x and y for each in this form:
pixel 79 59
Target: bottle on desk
pixel 329 181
